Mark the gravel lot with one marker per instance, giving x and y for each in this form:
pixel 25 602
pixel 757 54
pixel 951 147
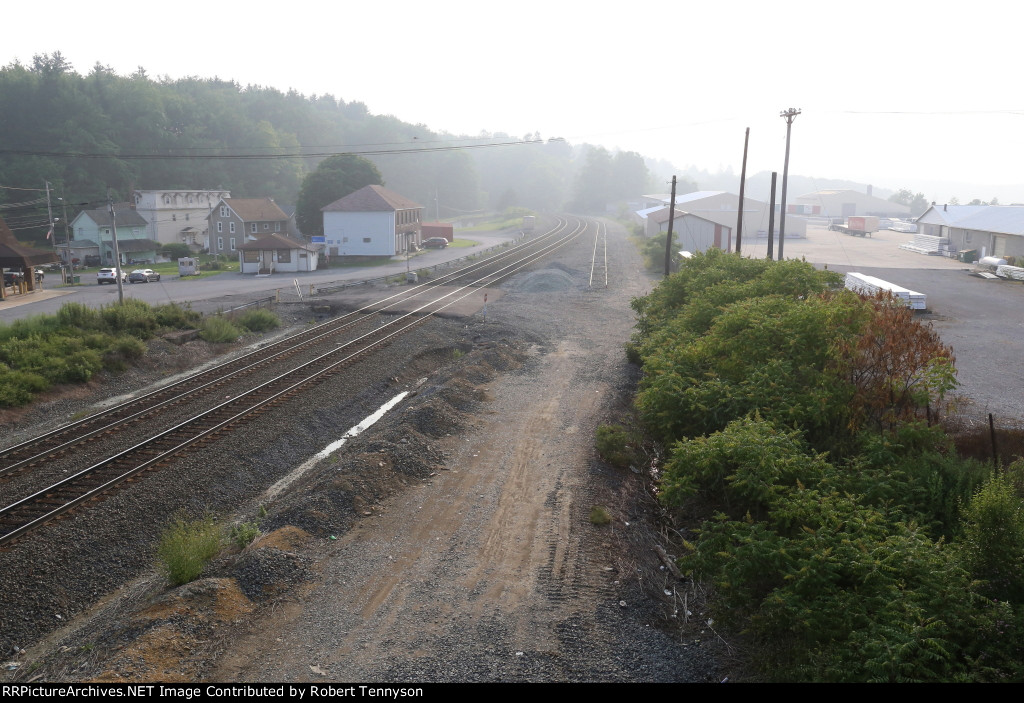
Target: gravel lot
pixel 450 542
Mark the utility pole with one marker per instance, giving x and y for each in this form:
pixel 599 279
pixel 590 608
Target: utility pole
pixel 67 236
pixel 743 182
pixel 788 115
pixel 771 219
pixel 117 253
pixel 671 219
pixel 49 216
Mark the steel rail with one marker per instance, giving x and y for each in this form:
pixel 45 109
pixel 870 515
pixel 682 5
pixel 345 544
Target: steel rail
pixel 222 373
pixel 47 495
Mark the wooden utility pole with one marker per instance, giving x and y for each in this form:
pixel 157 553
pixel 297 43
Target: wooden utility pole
pixel 671 219
pixel 117 253
pixel 789 115
pixel 743 182
pixel 771 219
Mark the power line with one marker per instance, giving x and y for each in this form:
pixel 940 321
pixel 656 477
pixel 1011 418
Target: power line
pixel 251 157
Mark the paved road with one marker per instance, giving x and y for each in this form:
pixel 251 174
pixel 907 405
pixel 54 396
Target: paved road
pixel 227 286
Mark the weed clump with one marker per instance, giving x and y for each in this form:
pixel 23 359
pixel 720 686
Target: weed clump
pixel 186 546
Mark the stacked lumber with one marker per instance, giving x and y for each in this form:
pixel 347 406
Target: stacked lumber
pixel 931 245
pixel 1014 272
pixel 869 285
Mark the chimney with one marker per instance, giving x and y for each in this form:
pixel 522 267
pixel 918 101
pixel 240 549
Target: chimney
pixel 945 207
pixel 869 190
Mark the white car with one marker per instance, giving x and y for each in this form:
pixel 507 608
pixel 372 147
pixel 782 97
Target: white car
pixel 109 275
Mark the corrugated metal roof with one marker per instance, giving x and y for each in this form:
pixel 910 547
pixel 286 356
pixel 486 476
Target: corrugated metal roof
pixel 272 241
pixel 1002 219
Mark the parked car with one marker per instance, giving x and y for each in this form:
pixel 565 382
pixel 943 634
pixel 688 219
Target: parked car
pixel 435 243
pixel 12 278
pixel 143 276
pixel 92 260
pixel 109 275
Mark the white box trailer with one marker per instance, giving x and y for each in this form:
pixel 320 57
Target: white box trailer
pixel 188 266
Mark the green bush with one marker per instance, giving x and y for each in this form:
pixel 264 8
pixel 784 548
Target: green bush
pixel 992 546
pixel 19 387
pixel 175 251
pixel 258 320
pixel 175 316
pixel 244 533
pixel 186 546
pixel 132 316
pixel 219 330
pixel 615 445
pixel 599 515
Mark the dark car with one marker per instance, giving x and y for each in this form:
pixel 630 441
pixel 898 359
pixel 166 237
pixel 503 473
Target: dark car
pixel 143 276
pixel 435 243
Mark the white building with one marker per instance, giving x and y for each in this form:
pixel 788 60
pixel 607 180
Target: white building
pixel 276 253
pixel 722 207
pixel 178 216
pixel 990 230
pixel 373 221
pixel 691 232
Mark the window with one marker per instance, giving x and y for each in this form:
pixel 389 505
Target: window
pixel 251 257
pixel 277 226
pixel 344 240
pixel 252 228
pixel 232 244
pixel 266 226
pixel 174 218
pixel 231 227
pixel 366 240
pixel 220 243
pixel 284 256
pixel 220 226
pixel 190 200
pixel 167 200
pixel 186 217
pixel 223 210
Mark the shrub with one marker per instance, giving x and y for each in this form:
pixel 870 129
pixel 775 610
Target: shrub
pixel 176 317
pixel 19 387
pixel 243 534
pixel 599 515
pixel 186 546
pixel 992 546
pixel 132 316
pixel 79 316
pixel 175 251
pixel 258 320
pixel 219 330
pixel 614 445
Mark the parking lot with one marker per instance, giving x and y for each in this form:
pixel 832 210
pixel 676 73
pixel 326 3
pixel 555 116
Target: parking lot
pixel 983 320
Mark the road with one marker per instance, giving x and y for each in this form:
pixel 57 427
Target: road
pixel 222 288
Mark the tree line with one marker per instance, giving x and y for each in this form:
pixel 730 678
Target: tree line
pixel 99 133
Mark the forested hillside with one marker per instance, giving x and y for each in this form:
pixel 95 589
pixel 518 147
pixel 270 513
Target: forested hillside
pixel 87 134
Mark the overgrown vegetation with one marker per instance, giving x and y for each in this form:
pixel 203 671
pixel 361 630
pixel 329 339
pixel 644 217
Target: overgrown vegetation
pixel 78 342
pixel 847 538
pixel 186 546
pixel 219 330
pixel 258 320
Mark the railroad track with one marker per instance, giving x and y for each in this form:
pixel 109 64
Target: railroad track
pixel 599 260
pixel 44 447
pixel 32 511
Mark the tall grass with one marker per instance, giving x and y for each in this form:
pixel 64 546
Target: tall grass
pixel 186 546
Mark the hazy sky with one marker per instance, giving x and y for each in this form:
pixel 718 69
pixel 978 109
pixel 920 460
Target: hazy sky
pixel 898 93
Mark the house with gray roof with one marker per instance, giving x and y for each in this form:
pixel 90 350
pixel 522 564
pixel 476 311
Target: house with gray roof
pixel 991 230
pixel 97 226
pixel 236 220
pixel 373 221
pixel 722 207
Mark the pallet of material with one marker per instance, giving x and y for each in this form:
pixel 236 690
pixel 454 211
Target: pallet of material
pixel 869 285
pixel 1013 272
pixel 928 244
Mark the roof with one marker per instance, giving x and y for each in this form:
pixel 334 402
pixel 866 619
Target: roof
pixel 14 254
pixel 661 215
pixel 80 244
pixel 255 209
pixel 371 199
pixel 124 218
pixel 271 241
pixel 1002 219
pixel 686 197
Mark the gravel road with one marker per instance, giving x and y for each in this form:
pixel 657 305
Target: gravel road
pixel 450 542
